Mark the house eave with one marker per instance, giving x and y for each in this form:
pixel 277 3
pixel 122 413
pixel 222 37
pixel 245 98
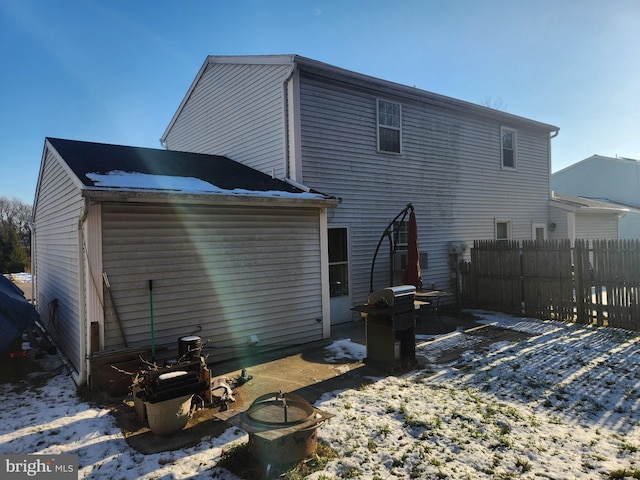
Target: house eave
pixel 322 69
pixel 589 210
pixel 339 74
pixel 147 196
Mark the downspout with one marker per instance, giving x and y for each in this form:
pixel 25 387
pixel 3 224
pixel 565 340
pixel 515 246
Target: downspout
pixel 324 274
pixel 32 229
pixel 287 143
pixel 638 182
pixel 82 378
pixel 552 135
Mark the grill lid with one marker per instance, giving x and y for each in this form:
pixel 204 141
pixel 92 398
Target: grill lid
pixel 386 297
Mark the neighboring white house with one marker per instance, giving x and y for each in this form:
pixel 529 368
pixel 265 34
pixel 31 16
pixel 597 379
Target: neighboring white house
pixel 470 172
pixel 197 243
pixel 615 181
pixel 578 217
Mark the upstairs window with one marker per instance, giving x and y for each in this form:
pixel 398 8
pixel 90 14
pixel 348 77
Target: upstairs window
pixel 389 124
pixel 508 138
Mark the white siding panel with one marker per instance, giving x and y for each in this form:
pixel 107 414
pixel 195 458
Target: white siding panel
pixel 92 231
pixel 595 226
pixel 630 225
pixel 236 111
pixel 558 216
pixel 233 272
pixel 59 206
pixel 449 171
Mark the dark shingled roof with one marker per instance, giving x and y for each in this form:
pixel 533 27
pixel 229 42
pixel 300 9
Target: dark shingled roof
pixel 224 173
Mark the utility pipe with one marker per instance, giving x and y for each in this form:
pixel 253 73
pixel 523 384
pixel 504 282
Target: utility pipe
pixel 153 333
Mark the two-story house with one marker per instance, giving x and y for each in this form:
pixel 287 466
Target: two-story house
pixel 470 172
pixel 134 246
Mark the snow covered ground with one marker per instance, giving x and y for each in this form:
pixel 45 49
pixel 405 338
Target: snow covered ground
pixel 563 405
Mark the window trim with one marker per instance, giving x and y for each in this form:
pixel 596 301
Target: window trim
pixel 537 225
pixel 388 127
pixel 401 234
pixel 509 228
pixel 346 262
pixel 514 148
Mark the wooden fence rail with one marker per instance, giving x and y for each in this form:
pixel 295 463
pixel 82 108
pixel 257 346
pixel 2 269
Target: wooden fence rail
pixel 593 282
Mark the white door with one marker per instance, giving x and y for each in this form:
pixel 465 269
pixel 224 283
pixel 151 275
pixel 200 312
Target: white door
pixel 339 287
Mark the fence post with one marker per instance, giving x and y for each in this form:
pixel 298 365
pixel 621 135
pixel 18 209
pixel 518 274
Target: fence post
pixel 581 246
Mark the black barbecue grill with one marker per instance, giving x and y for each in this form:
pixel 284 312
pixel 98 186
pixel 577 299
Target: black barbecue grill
pixel 390 327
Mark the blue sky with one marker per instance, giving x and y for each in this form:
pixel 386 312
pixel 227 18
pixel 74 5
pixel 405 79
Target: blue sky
pixel 114 71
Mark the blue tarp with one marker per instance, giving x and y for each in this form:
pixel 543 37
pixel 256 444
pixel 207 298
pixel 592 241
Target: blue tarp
pixel 16 313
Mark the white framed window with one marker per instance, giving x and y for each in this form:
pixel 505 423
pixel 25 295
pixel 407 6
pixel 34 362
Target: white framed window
pixel 338 240
pixel 503 229
pixel 400 235
pixel 539 231
pixel 389 127
pixel 508 142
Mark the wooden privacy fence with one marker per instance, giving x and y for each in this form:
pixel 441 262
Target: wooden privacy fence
pixel 595 282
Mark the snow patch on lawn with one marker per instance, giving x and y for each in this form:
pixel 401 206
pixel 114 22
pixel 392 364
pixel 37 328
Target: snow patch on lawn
pixel 563 404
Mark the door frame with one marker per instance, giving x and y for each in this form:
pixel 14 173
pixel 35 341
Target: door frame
pixel 343 303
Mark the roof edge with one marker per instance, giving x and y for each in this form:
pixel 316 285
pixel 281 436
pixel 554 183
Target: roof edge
pixel 311 64
pixel 593 157
pixel 585 205
pixel 147 196
pixel 442 100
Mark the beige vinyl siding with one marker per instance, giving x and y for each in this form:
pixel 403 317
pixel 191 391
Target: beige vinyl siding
pixel 560 218
pixel 597 226
pixel 487 192
pixel 450 171
pixel 630 225
pixel 57 249
pixel 236 111
pixel 231 272
pixel 94 288
pixel 340 158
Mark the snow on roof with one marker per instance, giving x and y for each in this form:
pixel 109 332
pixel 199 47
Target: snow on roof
pixel 118 179
pixel 113 168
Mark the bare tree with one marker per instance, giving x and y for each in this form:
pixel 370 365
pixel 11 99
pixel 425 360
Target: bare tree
pixel 15 214
pixel 15 235
pixel 496 103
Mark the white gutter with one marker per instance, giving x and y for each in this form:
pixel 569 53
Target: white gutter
pixel 286 121
pixel 32 229
pixel 307 198
pixel 81 377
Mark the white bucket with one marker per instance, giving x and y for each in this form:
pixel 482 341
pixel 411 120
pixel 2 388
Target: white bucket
pixel 169 417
